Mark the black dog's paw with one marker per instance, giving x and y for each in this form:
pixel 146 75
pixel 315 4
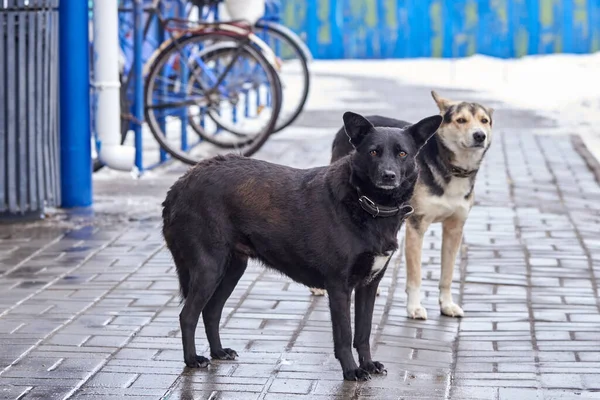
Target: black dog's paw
pixel 357 374
pixel 374 367
pixel 224 354
pixel 198 362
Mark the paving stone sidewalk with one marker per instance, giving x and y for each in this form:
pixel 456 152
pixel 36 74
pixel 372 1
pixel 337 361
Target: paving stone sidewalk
pixel 89 308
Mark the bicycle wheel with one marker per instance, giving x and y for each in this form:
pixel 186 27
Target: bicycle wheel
pixel 293 59
pixel 229 124
pixel 171 102
pixel 215 57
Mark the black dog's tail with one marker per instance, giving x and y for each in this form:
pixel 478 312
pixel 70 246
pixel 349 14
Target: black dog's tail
pixel 183 272
pixel 184 281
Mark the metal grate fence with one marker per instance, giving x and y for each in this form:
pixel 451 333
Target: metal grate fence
pixel 29 141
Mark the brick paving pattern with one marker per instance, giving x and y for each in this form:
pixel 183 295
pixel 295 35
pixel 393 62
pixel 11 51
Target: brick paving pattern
pixel 91 311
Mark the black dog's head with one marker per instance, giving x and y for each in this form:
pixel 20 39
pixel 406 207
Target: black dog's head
pixel 386 156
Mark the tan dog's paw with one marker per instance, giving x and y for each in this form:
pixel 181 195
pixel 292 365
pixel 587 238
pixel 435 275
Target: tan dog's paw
pixel 452 310
pixel 416 312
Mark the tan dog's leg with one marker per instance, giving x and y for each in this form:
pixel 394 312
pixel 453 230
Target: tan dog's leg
pixel 451 239
pixel 414 245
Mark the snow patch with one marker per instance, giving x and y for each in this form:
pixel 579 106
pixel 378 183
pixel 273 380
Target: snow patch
pixel 563 87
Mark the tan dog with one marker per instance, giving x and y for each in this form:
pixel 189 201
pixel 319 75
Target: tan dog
pixel 444 192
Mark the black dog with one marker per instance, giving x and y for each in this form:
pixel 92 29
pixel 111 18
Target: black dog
pixel 341 146
pixel 331 227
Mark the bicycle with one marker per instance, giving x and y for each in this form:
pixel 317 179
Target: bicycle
pixel 216 70
pixel 293 57
pixel 229 36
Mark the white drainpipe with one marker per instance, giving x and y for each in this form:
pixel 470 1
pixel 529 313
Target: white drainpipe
pixel 107 84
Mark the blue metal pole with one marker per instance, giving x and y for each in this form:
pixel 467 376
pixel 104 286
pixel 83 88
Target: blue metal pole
pixel 183 114
pixel 138 102
pixel 162 87
pixel 75 130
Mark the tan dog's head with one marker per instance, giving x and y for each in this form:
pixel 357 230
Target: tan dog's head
pixel 466 126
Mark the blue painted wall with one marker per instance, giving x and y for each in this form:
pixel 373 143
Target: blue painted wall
pixel 444 28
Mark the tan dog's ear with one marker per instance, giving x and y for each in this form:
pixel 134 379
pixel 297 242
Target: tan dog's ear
pixel 442 103
pixel 490 112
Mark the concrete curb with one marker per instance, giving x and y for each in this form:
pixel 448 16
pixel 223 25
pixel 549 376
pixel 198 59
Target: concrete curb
pixel 591 161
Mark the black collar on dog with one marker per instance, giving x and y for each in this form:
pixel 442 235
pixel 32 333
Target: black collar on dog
pixel 377 210
pixel 446 156
pixel 461 172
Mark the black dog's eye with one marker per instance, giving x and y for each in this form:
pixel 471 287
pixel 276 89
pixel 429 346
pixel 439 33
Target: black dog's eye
pixel 461 120
pixel 484 121
pixel 402 154
pixel 373 153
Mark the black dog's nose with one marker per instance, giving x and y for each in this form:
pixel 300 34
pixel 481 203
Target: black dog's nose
pixel 388 175
pixel 479 137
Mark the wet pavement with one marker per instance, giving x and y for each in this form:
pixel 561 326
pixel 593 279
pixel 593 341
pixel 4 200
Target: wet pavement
pixel 89 304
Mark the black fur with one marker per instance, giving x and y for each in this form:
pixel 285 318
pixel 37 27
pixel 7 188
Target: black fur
pixel 341 144
pixel 307 224
pixel 433 156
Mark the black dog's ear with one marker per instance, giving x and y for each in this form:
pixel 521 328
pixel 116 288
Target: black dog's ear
pixel 357 127
pixel 425 128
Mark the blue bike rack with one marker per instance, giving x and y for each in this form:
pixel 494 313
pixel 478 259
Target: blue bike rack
pixel 140 53
pixel 138 104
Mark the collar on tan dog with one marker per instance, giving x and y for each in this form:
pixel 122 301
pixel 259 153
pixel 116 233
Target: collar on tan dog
pixel 461 172
pixel 447 156
pixel 377 210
